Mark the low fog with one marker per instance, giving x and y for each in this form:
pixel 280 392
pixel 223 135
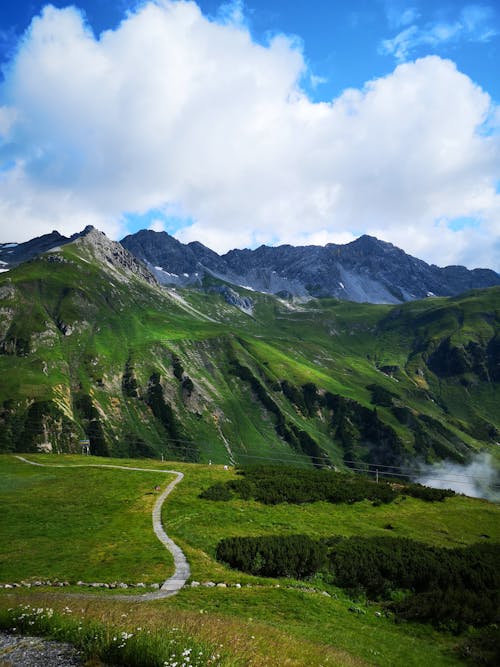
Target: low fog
pixel 479 479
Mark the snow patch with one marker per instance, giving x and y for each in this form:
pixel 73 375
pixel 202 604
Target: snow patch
pixel 172 275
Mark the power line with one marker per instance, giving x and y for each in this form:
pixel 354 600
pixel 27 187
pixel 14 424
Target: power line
pixel 188 446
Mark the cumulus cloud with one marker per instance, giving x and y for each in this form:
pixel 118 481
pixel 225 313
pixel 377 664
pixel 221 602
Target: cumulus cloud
pixel 173 111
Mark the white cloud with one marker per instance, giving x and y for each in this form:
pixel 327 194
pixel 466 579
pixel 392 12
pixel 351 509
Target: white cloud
pixel 478 479
pixel 175 112
pixel 474 23
pixel 157 226
pixel 398 14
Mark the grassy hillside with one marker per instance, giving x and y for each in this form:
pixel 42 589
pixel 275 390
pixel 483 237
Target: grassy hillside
pixel 80 524
pixel 55 531
pixel 91 351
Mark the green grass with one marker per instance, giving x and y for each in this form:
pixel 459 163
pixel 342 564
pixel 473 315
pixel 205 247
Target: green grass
pixel 200 524
pixel 125 645
pixel 85 524
pixel 328 622
pixel 56 518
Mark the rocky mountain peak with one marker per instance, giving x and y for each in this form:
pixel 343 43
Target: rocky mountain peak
pixel 113 255
pixel 87 230
pixel 365 270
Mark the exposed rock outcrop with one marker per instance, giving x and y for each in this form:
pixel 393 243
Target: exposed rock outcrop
pixel 366 270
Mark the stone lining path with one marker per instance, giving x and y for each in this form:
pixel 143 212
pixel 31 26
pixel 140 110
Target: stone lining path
pixel 173 584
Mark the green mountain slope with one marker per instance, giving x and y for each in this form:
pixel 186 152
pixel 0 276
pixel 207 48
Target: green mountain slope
pixel 91 347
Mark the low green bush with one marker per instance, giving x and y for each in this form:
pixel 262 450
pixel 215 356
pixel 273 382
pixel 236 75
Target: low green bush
pixel 453 610
pixel 481 647
pixel 451 588
pixel 427 493
pixel 294 556
pixel 218 491
pixel 277 484
pixel 272 485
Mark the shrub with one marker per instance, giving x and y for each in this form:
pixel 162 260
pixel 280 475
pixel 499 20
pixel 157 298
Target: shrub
pixel 482 647
pixel 278 484
pixel 218 491
pixel 452 588
pixel 453 609
pixel 427 493
pixel 296 556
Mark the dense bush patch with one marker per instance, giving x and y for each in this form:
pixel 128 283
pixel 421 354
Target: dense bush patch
pixel 379 565
pixel 451 588
pixel 451 609
pixel 278 484
pixel 426 492
pixel 296 556
pixel 482 647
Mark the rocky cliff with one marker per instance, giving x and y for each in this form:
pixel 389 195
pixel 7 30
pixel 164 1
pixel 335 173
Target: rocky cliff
pixel 366 270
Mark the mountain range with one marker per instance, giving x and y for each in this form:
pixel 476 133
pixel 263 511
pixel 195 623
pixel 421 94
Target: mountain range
pixel 366 270
pixel 93 346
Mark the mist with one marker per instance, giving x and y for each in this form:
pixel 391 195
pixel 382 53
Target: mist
pixel 478 479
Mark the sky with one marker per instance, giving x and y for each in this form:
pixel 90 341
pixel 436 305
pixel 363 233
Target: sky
pixel 258 122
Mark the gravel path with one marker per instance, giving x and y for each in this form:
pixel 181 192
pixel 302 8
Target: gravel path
pixel 17 651
pixel 173 584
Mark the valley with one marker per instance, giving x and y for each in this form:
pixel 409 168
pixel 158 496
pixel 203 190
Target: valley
pixel 92 347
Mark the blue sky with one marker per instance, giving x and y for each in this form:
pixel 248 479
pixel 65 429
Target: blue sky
pixel 261 122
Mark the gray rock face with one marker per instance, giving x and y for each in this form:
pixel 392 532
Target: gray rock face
pixel 366 270
pixel 172 262
pixel 12 254
pixel 162 250
pixel 114 255
pixel 244 303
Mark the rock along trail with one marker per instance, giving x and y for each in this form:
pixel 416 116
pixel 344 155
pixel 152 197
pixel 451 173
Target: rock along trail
pixel 173 584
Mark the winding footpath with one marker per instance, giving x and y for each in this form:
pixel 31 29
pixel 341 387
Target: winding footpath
pixel 173 584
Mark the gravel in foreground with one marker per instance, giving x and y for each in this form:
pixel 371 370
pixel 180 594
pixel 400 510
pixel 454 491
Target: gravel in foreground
pixel 19 651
